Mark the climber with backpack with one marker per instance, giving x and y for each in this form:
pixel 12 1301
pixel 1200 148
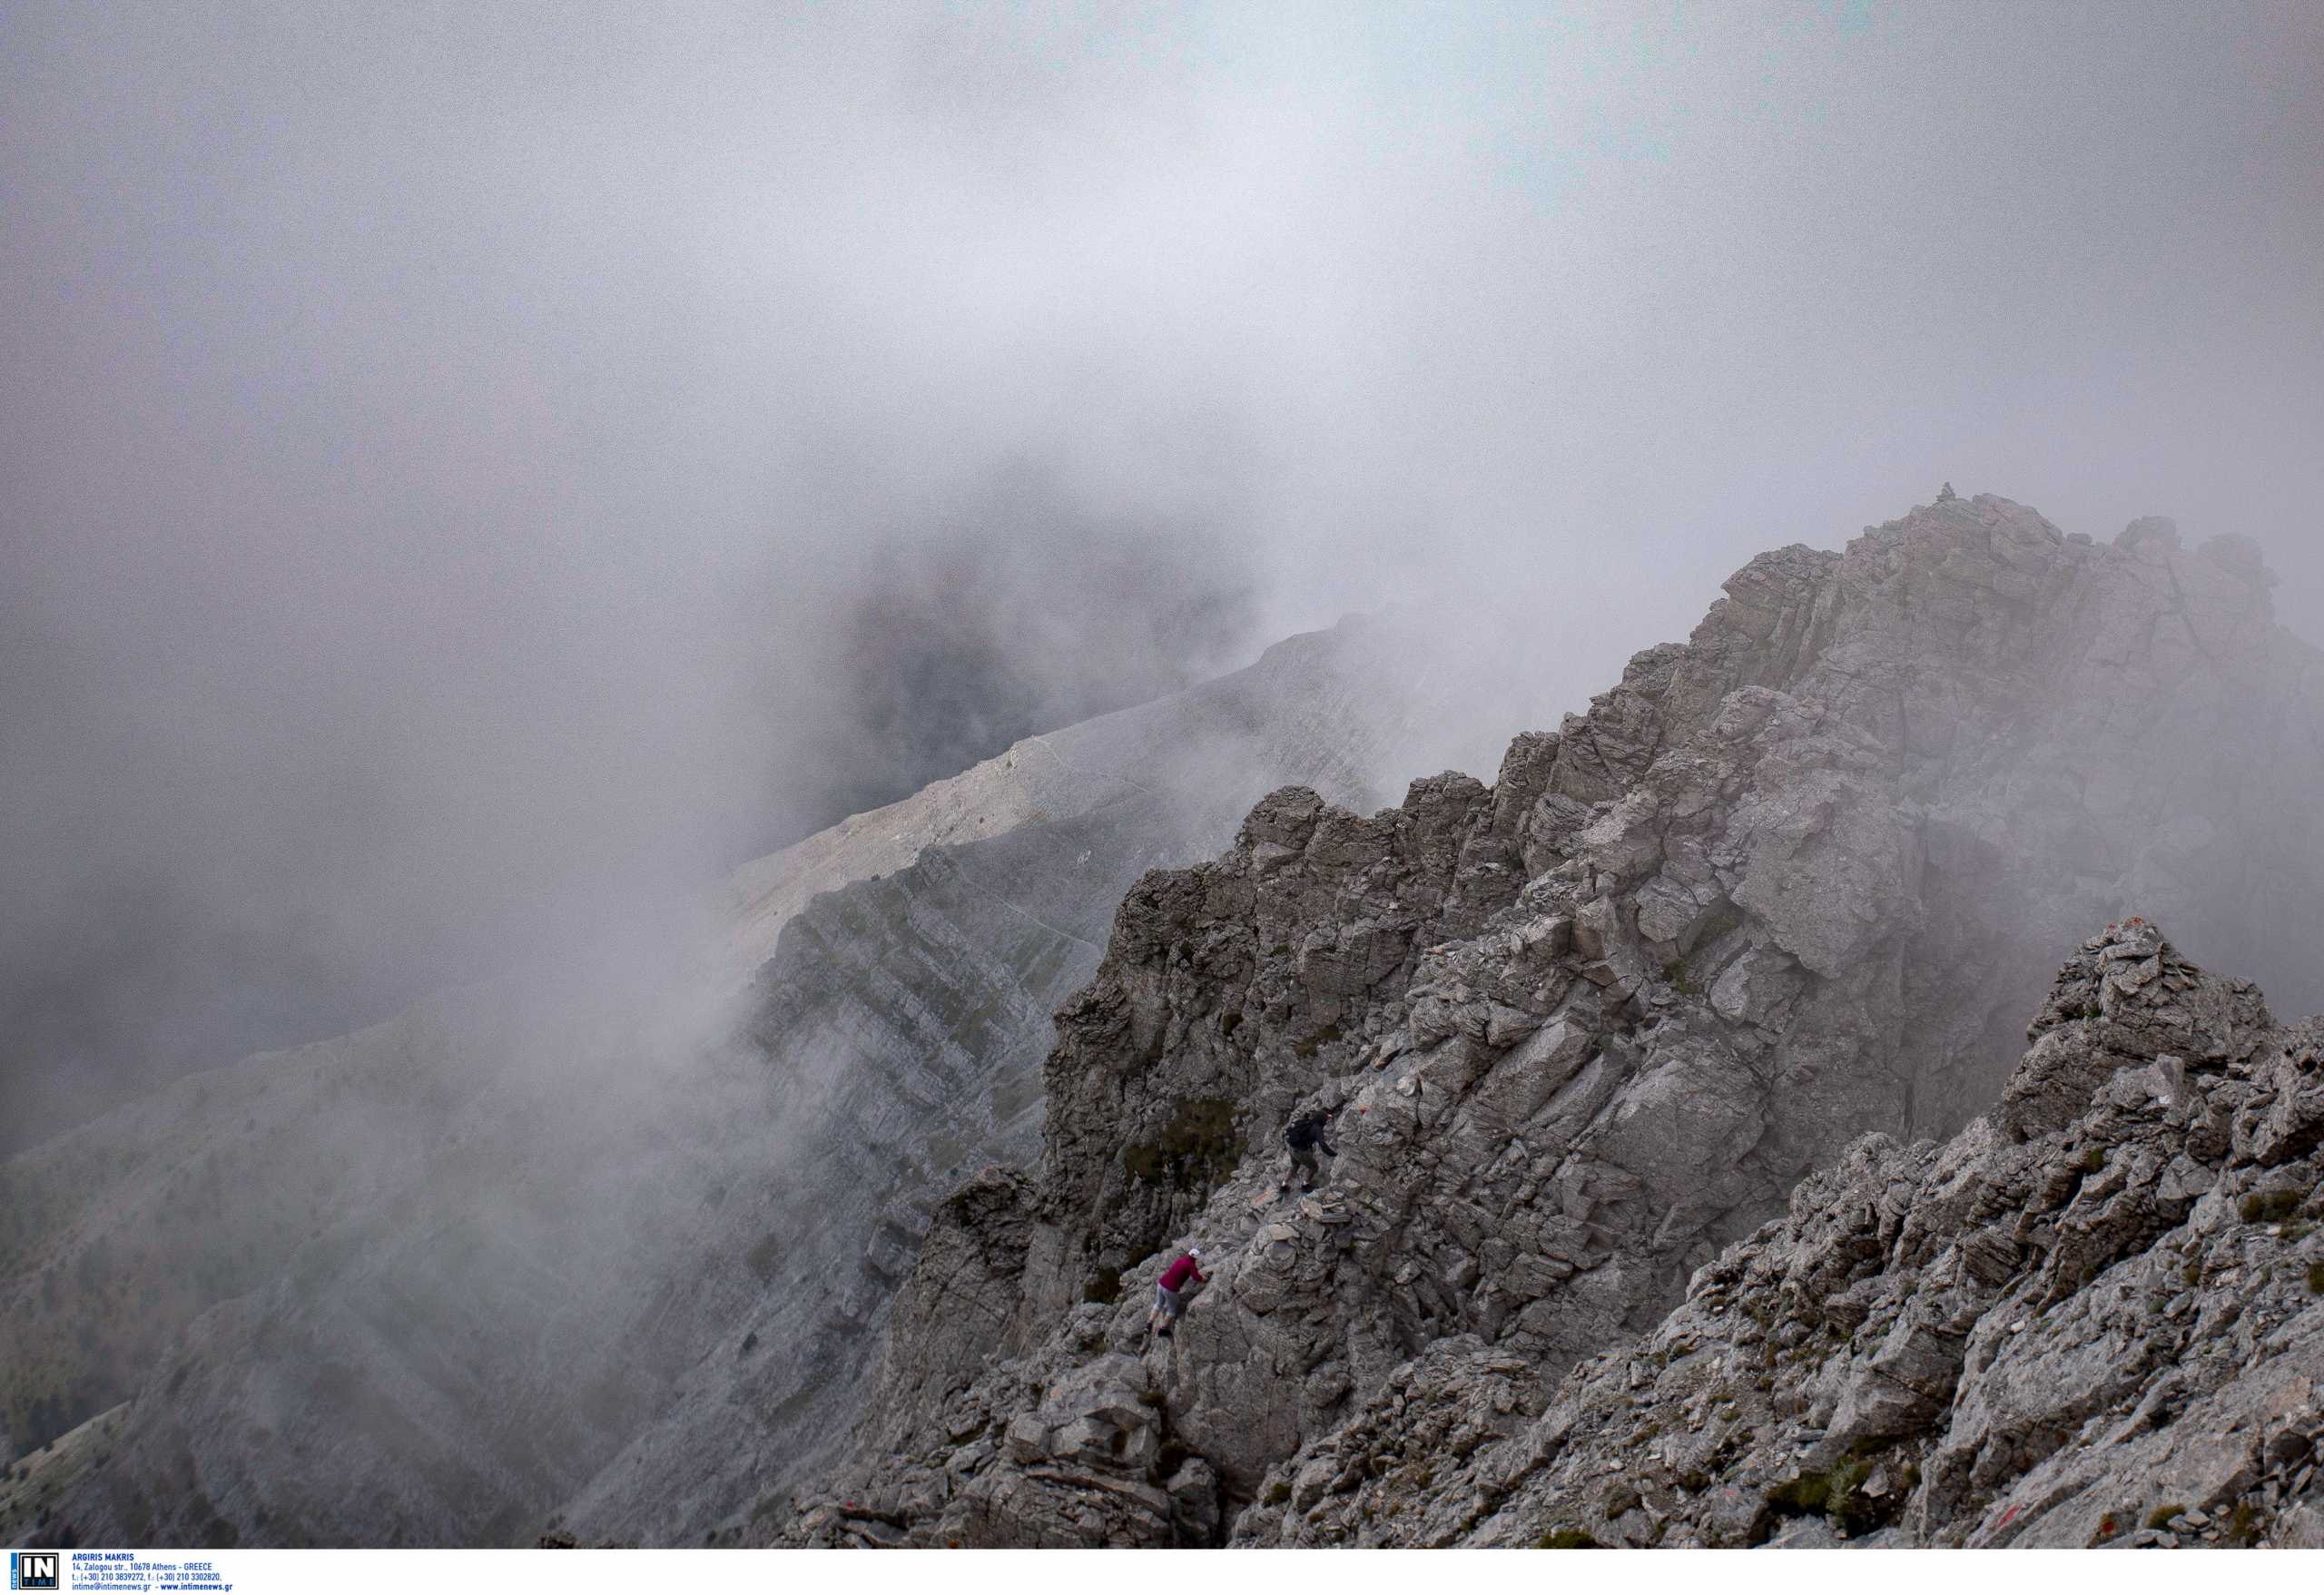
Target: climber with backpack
pixel 1303 1135
pixel 1168 1299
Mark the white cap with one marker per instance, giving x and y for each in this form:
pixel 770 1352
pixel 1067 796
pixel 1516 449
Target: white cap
pixel 1193 1251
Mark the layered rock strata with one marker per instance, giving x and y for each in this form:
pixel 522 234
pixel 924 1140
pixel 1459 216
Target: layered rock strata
pixel 424 1285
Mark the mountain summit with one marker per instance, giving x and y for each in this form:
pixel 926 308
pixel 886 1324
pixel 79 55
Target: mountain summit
pixel 1798 879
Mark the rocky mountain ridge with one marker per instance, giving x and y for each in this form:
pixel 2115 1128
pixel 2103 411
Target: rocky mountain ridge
pixel 1793 881
pixel 424 1284
pixel 2094 1317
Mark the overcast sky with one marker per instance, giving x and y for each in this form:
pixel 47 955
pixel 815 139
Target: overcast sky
pixel 461 468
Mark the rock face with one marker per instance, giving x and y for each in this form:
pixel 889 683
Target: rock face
pixel 2096 1316
pixel 1794 880
pixel 425 1284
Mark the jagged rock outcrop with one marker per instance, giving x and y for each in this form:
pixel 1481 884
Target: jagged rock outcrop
pixel 1790 883
pixel 620 1250
pixel 2094 1317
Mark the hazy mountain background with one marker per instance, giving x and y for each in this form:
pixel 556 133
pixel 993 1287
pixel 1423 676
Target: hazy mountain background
pixel 466 477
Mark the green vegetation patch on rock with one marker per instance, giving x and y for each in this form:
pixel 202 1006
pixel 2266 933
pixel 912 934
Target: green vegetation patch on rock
pixel 1198 1148
pixel 1838 1493
pixel 2270 1207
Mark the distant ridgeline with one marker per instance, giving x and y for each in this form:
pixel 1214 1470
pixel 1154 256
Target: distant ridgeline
pixel 335 1281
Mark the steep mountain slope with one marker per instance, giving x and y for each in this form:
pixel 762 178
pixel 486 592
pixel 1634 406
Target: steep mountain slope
pixel 420 1283
pixel 913 1012
pixel 2095 1317
pixel 1798 879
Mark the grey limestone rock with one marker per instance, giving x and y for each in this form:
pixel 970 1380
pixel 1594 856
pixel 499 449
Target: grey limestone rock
pixel 2104 1330
pixel 1796 880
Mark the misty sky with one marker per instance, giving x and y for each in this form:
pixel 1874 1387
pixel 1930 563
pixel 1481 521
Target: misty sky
pixel 463 469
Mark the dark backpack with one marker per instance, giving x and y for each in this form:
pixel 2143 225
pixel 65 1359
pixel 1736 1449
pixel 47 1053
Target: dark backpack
pixel 1304 1132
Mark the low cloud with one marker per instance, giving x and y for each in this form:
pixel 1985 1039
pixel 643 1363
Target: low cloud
pixel 468 475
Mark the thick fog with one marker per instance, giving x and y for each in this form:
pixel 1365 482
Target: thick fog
pixel 467 475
